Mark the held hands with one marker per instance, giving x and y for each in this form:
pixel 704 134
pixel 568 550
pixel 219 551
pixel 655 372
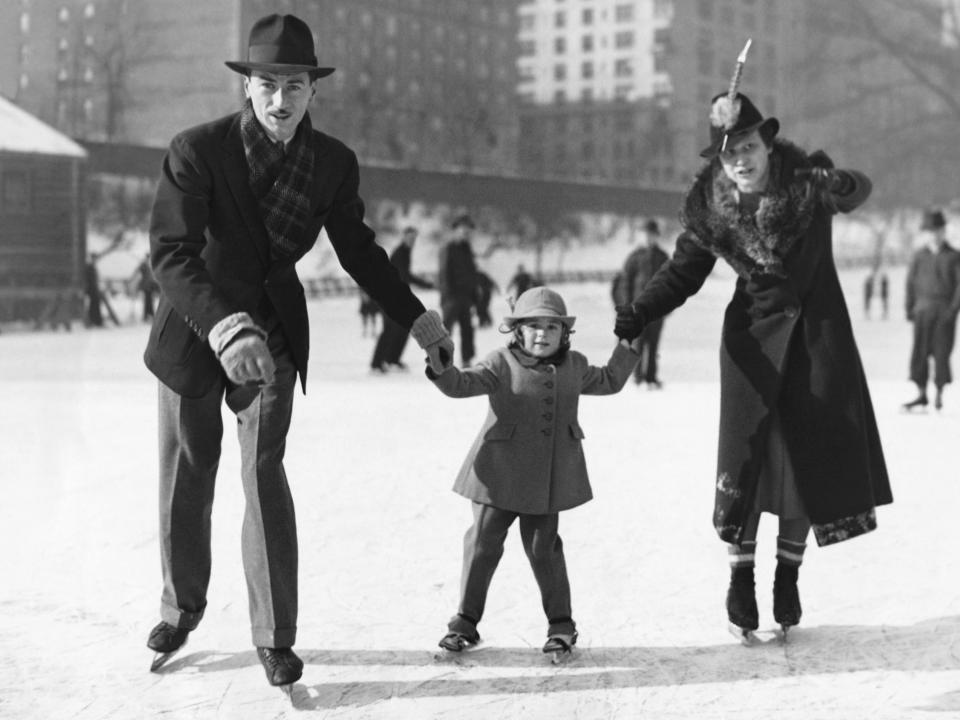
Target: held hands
pixel 432 336
pixel 629 323
pixel 247 360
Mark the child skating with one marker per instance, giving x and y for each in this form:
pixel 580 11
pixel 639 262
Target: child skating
pixel 527 461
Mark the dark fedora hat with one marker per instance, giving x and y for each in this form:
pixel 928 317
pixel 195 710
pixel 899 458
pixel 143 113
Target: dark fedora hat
pixel 933 219
pixel 462 219
pixel 730 120
pixel 281 44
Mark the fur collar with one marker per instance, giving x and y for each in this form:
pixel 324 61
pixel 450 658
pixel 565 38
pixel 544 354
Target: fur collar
pixel 752 243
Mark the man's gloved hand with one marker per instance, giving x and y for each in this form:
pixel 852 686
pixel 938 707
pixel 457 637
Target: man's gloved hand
pixel 432 336
pixel 629 323
pixel 828 179
pixel 246 359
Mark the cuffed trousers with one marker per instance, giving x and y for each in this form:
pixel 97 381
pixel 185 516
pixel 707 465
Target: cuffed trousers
pixel 483 548
pixel 191 431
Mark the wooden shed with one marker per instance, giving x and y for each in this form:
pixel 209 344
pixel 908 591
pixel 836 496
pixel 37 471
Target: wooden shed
pixel 42 220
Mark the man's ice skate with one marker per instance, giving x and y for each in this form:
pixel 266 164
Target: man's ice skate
pixel 786 598
pixel 742 606
pixel 559 646
pixel 165 640
pixel 282 666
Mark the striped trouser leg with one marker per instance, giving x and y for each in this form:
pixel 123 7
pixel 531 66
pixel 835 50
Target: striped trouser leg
pixel 190 433
pixel 269 533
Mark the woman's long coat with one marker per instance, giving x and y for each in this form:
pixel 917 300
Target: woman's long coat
pixel 528 457
pixel 787 344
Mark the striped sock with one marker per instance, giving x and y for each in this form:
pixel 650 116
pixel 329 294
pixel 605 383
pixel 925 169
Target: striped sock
pixel 790 552
pixel 742 555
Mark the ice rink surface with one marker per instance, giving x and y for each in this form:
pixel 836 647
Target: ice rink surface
pixel 371 461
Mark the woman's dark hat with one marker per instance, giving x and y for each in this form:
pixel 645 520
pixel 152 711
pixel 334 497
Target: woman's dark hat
pixel 462 219
pixel 933 219
pixel 281 44
pixel 734 118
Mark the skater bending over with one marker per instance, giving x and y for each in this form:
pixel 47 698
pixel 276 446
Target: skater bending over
pixel 527 461
pixel 239 201
pixel 798 436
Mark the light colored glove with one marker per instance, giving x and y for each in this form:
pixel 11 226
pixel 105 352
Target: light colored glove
pixel 432 336
pixel 246 359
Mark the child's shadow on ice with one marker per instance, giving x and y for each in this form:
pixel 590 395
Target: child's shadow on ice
pixel 924 647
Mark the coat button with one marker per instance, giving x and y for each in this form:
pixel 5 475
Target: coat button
pixel 791 311
pixel 548 416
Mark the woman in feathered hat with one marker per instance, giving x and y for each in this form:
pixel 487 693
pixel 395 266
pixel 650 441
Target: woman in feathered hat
pixel 797 436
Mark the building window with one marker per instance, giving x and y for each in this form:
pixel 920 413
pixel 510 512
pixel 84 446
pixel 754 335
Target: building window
pixel 586 70
pixel 623 39
pixel 527 22
pixel 623 13
pixel 560 19
pixel 586 43
pixel 623 68
pixel 528 47
pixel 659 60
pixel 559 72
pixel 559 97
pixel 587 16
pixel 622 92
pixel 16 192
pixel 559 45
pixel 586 95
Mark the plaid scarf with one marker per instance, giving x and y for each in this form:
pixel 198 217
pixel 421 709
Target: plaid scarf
pixel 280 182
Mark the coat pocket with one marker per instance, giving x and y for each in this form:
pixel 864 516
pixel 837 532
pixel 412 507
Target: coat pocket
pixel 576 431
pixel 500 431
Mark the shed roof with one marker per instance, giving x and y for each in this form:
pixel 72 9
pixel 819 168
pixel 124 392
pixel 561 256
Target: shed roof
pixel 22 132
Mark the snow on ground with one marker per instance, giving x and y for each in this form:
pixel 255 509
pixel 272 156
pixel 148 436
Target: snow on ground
pixel 371 461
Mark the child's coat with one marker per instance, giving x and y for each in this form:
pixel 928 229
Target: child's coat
pixel 528 457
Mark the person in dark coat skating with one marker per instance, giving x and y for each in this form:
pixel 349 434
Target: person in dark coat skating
pixel 527 461
pixel 457 283
pixel 390 345
pixel 639 267
pixel 239 201
pixel 798 437
pixel 932 303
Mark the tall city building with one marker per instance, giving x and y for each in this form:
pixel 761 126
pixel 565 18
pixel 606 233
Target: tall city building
pixel 619 90
pixel 423 83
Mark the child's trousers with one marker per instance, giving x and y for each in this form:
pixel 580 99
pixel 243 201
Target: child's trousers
pixel 483 548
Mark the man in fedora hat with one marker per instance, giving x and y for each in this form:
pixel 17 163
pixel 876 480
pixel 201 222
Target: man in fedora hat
pixel 798 437
pixel 240 200
pixel 933 301
pixel 639 267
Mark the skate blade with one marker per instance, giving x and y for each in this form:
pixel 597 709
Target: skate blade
pixel 747 638
pixel 160 659
pixel 560 657
pixel 286 692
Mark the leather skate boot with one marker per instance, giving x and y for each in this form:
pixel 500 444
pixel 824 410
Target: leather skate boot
pixel 165 640
pixel 282 665
pixel 786 597
pixel 742 604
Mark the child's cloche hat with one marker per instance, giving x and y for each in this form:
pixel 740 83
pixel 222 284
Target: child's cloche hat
pixel 539 302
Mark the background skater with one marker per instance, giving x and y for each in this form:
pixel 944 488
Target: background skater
pixel 933 301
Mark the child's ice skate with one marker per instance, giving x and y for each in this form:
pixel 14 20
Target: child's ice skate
pixel 559 646
pixel 462 635
pixel 742 606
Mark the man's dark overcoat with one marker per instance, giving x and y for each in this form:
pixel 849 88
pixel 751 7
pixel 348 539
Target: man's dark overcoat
pixel 787 345
pixel 211 253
